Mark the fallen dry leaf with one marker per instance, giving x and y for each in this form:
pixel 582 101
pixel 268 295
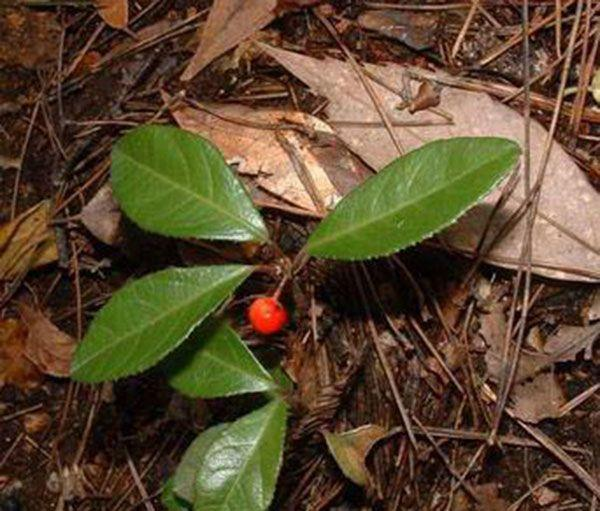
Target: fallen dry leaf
pixel 102 216
pixel 538 399
pixel 49 348
pixel 350 450
pixel 568 341
pixel 545 496
pixel 569 207
pixel 228 24
pixel 247 137
pixel 36 422
pixel 490 500
pixel 30 38
pixel 15 367
pixel 27 242
pixel 415 29
pixel 115 13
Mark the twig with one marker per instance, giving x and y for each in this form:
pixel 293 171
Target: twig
pixel 508 378
pixel 15 195
pixel 364 80
pixel 464 29
pixel 385 364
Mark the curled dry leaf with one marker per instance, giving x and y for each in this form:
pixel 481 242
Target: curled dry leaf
pixel 102 216
pixel 15 367
pixel 539 399
pixel 302 165
pixel 566 242
pixel 115 13
pixel 228 24
pixel 49 348
pixel 350 450
pixel 27 242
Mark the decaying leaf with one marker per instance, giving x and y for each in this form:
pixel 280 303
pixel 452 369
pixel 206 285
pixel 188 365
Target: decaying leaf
pixel 114 12
pixel 415 29
pixel 279 159
pixel 102 216
pixel 15 367
pixel 538 399
pixel 50 349
pixel 568 341
pixel 228 24
pixel 490 499
pixel 36 422
pixel 27 242
pixel 350 449
pixel 569 208
pixel 30 37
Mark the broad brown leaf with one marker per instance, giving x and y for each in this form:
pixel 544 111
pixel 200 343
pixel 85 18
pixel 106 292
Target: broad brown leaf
pixel 49 348
pixel 15 367
pixel 27 242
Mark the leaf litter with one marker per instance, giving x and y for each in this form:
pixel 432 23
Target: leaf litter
pixel 565 243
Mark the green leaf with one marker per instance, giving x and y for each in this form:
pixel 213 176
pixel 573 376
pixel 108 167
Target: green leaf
pixel 171 501
pixel 185 476
pixel 240 468
pixel 150 317
pixel 175 183
pixel 214 362
pixel 414 197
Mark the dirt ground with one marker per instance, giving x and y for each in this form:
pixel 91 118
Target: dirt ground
pixel 70 84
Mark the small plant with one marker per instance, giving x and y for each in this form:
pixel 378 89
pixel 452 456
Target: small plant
pixel 175 183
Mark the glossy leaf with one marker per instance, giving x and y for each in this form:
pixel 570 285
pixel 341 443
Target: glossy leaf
pixel 184 479
pixel 175 183
pixel 413 197
pixel 240 468
pixel 150 317
pixel 214 362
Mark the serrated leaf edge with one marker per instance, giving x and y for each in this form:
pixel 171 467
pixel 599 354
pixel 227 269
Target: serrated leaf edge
pixel 414 241
pixel 247 270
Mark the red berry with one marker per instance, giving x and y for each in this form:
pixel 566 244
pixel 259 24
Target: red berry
pixel 267 315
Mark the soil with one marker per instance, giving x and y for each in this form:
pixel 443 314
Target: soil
pixel 93 442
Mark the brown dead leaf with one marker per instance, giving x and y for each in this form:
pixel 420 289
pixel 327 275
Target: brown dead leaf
pixel 493 330
pixel 490 499
pixel 49 348
pixel 15 367
pixel 36 422
pixel 228 24
pixel 115 13
pixel 102 217
pixel 30 38
pixel 569 209
pixel 27 242
pixel 247 137
pixel 350 450
pixel 538 399
pixel 415 29
pixel 568 341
